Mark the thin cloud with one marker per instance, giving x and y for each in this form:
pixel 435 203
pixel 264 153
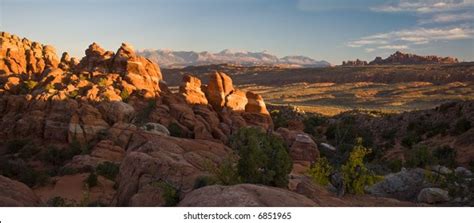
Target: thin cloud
pixel 403 39
pixel 393 47
pixel 424 6
pixel 449 18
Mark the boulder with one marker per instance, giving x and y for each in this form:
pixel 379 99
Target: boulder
pixel 117 111
pixel 155 128
pixel 244 195
pixel 16 194
pixel 220 85
pixel 107 150
pixel 433 195
pixel 177 161
pixel 255 104
pixel 190 90
pixel 404 185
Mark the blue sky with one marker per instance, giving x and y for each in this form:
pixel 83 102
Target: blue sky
pixel 333 30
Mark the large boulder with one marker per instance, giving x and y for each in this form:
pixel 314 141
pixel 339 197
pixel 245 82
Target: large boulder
pixel 433 195
pixel 190 90
pixel 404 185
pixel 244 195
pixel 16 194
pixel 220 85
pixel 176 161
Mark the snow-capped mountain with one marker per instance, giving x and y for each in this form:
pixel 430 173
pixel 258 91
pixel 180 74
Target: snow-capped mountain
pixel 169 58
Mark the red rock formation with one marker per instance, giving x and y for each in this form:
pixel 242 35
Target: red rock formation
pixel 355 63
pixel 403 58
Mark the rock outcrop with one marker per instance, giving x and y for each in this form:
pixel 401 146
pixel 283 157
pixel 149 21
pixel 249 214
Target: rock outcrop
pixel 16 194
pixel 404 58
pixel 355 63
pixel 244 195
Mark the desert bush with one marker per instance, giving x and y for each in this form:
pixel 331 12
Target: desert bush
pixel 438 128
pixel 311 122
pixel 15 145
pixel 30 85
pixel 420 156
pixel 170 193
pixel 91 180
pixel 445 156
pixel 102 82
pixel 108 169
pixel 279 120
pixel 224 173
pixel 73 94
pixel 321 171
pixel 175 130
pixel 57 202
pixel 263 159
pixel 29 151
pixel 57 156
pixel 124 94
pixel 461 126
pixel 203 181
pixel 395 165
pixel 18 169
pixel 355 173
pixel 410 140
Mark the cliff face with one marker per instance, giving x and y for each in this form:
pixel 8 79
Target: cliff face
pixel 403 58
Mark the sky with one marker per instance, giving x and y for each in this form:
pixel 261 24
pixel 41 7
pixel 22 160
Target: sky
pixel 332 30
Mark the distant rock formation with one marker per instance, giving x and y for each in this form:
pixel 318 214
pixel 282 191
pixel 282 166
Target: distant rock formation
pixel 355 63
pixel 169 59
pixel 404 58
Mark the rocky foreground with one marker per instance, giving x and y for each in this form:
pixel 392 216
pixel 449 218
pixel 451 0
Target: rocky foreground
pixel 62 120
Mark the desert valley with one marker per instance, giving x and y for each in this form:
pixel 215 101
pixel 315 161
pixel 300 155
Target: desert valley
pixel 114 129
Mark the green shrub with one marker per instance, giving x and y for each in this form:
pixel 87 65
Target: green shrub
pixel 18 169
pixel 30 84
pixel 395 165
pixel 263 159
pixel 91 180
pixel 445 156
pixel 108 169
pixel 49 87
pixel 73 94
pixel 311 122
pixel 420 156
pixel 203 181
pixel 321 171
pixel 124 94
pixel 410 140
pixel 224 173
pixel 57 202
pixel 29 151
pixel 461 126
pixel 15 145
pixel 56 156
pixel 355 173
pixel 170 194
pixel 175 130
pixel 438 128
pixel 102 82
pixel 278 119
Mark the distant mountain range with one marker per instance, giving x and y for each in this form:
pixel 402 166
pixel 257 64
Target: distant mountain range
pixel 170 58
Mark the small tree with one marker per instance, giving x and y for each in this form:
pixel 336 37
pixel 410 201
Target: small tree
pixel 263 158
pixel 321 171
pixel 356 175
